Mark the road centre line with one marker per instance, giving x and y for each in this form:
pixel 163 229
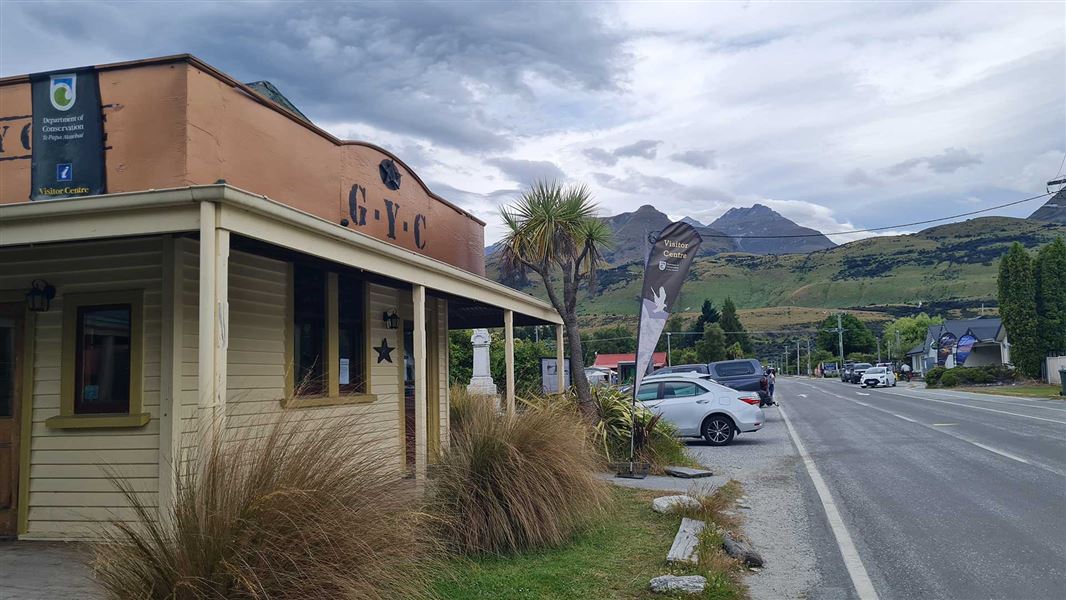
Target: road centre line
pixel 1002 412
pixel 852 561
pixel 958 437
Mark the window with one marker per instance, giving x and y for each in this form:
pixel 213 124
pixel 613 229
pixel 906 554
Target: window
pixel 680 389
pixel 309 328
pixel 648 391
pixel 351 336
pixel 734 368
pixel 329 343
pixel 102 359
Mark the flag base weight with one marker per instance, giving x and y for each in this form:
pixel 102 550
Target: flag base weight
pixel 632 470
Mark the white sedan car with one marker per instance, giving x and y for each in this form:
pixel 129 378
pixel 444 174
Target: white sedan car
pixel 699 407
pixel 878 376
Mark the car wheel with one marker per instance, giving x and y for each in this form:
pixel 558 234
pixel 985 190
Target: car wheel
pixel 719 430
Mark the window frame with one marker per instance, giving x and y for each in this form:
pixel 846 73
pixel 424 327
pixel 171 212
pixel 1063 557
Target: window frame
pixel 72 305
pixel 332 394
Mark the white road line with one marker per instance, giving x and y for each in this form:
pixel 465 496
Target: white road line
pixel 1021 403
pixel 1002 412
pixel 1002 453
pixel 862 393
pixel 958 437
pixel 863 586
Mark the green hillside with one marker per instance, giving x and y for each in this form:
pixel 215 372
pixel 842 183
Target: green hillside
pixel 947 266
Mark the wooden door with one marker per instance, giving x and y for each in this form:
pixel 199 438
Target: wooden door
pixel 11 360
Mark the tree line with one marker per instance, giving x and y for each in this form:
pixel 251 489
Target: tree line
pixel 1032 304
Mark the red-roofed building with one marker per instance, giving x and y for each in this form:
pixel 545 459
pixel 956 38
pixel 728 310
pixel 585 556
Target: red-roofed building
pixel 611 361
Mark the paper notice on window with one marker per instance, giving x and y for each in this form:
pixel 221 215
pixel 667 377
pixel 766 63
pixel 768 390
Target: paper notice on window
pixel 344 372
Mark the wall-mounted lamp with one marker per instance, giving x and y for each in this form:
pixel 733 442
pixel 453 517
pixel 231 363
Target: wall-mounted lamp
pixel 390 319
pixel 39 298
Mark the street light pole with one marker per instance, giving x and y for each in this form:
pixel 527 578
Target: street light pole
pixel 797 358
pixel 669 354
pixel 808 357
pixel 879 349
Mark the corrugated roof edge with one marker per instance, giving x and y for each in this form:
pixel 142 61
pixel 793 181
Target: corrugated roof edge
pixel 200 64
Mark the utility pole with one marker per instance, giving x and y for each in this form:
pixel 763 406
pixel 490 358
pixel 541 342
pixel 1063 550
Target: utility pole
pixel 797 358
pixel 840 339
pixel 784 371
pixel 878 348
pixel 809 357
pixel 899 350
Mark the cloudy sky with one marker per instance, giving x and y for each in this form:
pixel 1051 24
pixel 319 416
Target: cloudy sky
pixel 838 115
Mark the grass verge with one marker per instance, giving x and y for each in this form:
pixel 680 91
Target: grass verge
pixel 1022 391
pixel 614 557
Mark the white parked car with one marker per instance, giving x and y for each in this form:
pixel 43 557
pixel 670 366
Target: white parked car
pixel 699 407
pixel 878 376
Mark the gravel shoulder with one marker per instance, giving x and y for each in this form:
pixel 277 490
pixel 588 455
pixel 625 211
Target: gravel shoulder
pixel 785 523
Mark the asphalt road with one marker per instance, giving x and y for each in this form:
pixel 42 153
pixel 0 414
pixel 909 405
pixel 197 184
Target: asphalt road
pixel 944 494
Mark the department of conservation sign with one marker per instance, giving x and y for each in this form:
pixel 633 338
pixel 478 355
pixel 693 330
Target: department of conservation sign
pixel 68 135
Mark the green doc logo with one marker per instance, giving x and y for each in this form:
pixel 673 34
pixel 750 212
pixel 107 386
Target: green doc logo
pixel 63 92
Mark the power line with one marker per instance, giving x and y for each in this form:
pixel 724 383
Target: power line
pixel 885 228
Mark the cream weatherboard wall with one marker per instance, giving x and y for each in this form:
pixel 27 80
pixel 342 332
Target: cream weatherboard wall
pixel 69 492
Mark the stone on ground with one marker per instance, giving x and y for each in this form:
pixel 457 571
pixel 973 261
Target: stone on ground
pixel 669 504
pixel 689 584
pixel 686 542
pixel 686 472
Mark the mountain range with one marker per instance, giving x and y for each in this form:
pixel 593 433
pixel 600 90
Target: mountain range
pixel 730 232
pixel 943 268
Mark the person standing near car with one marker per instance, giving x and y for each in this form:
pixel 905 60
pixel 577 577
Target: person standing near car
pixel 771 379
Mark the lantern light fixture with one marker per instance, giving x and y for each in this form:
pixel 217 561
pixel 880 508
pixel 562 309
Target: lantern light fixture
pixel 390 319
pixel 39 298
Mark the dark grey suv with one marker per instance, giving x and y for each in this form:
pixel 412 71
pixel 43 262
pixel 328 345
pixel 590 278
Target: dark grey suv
pixel 744 374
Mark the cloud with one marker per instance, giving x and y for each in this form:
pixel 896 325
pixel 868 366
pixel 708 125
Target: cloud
pixel 639 149
pixel 703 159
pixel 808 102
pixel 453 73
pixel 601 156
pixel 526 172
pixel 948 161
pixel 859 177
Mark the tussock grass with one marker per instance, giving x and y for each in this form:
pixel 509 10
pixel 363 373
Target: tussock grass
pixel 513 482
pixel 299 512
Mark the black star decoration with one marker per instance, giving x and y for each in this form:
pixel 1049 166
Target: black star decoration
pixel 390 175
pixel 384 351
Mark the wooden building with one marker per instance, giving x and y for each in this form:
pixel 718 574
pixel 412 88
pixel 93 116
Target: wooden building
pixel 240 262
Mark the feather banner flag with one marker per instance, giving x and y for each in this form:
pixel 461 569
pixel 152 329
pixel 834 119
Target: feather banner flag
pixel 667 267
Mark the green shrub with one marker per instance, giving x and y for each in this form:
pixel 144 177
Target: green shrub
pixel 300 512
pixel 932 376
pixel 949 379
pixel 512 482
pixel 986 374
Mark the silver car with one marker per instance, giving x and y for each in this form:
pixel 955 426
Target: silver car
pixel 699 407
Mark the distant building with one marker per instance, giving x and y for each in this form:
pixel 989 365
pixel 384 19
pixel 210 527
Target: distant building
pixel 990 346
pixel 625 365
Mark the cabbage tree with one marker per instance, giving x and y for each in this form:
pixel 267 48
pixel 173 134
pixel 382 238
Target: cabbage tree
pixel 552 230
